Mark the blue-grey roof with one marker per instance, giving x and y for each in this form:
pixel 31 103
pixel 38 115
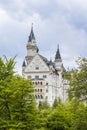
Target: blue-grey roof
pixel 31 36
pixel 44 59
pixel 47 61
pixel 58 56
pixel 51 62
pixel 24 64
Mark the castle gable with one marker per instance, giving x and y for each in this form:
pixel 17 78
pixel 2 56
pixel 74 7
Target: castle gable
pixel 38 64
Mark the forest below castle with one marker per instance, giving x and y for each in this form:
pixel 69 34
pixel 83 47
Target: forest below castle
pixel 18 109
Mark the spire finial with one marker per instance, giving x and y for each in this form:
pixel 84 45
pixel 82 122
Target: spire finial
pixel 32 26
pixel 57 53
pixel 31 36
pixel 57 46
pixel 24 64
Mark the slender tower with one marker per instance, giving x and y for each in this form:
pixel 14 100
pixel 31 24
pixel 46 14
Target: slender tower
pixel 58 60
pixel 32 48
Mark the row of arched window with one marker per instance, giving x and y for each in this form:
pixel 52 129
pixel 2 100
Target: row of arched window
pixel 37 83
pixel 39 96
pixel 38 90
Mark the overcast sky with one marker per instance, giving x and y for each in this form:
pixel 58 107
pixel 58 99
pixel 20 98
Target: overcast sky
pixel 62 22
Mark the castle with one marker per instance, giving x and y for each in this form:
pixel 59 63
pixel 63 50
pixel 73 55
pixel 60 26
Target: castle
pixel 46 75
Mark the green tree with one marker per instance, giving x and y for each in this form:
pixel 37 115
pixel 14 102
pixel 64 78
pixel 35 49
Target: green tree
pixel 17 103
pixel 57 101
pixel 44 112
pixel 6 67
pixel 78 81
pixel 60 119
pixel 80 118
pixel 43 118
pixel 44 104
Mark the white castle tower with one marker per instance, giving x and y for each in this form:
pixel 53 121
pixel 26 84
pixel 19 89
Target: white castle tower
pixel 46 75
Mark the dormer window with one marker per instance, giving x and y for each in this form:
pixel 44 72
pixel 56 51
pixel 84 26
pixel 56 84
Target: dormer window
pixel 37 68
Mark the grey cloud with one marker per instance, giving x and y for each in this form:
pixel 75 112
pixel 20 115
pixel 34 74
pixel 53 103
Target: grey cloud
pixel 54 22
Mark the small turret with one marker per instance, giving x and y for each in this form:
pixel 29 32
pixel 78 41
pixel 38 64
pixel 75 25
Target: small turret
pixel 58 60
pixel 50 63
pixel 58 56
pixel 24 64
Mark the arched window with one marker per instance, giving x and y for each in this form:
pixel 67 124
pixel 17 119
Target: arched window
pixel 38 96
pixel 41 97
pixel 35 83
pixel 40 90
pixel 35 90
pixel 46 83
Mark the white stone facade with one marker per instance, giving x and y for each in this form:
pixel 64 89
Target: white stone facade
pixel 46 75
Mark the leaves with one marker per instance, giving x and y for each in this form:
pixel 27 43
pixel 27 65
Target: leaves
pixel 18 109
pixel 17 103
pixel 78 81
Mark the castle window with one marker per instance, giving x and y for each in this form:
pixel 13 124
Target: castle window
pixel 44 76
pixel 29 77
pixel 41 97
pixel 47 90
pixel 37 77
pixel 41 90
pixel 38 97
pixel 46 83
pixel 41 83
pixel 35 83
pixel 37 68
pixel 35 90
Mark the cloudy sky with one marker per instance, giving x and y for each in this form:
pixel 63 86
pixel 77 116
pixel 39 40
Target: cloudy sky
pixel 62 22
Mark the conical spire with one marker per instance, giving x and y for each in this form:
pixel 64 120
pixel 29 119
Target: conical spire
pixel 58 56
pixel 50 62
pixel 31 36
pixel 24 64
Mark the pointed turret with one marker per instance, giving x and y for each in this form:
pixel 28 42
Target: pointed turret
pixel 32 48
pixel 50 62
pixel 24 64
pixel 31 36
pixel 58 56
pixel 58 60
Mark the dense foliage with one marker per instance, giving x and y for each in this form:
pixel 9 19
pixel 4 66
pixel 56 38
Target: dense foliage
pixel 18 110
pixel 78 81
